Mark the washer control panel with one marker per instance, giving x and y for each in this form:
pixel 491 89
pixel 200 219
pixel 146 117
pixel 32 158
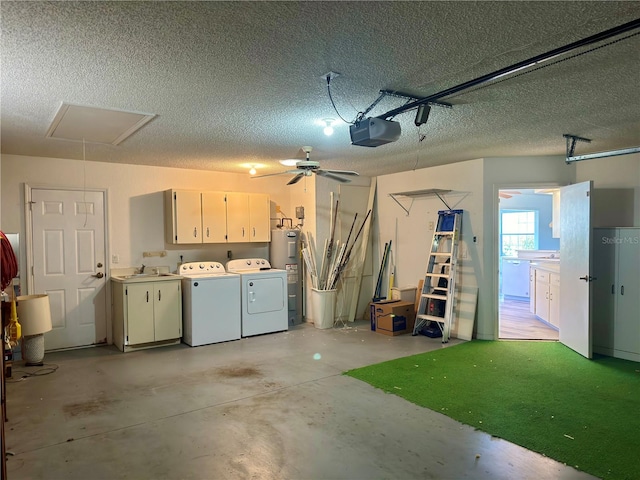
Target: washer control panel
pixel 192 268
pixel 243 264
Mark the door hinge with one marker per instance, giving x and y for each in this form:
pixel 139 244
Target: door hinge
pixel 587 193
pixel 126 291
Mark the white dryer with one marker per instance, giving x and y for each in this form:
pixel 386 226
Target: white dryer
pixel 210 303
pixel 264 296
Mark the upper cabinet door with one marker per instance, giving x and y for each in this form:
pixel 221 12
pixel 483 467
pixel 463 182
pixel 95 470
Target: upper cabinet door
pixel 184 216
pixel 238 217
pixel 259 216
pixel 214 217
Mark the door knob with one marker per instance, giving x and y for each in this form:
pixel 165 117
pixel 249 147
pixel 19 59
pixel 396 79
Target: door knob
pixel 98 275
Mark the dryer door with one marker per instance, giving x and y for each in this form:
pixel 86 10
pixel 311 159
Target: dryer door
pixel 265 294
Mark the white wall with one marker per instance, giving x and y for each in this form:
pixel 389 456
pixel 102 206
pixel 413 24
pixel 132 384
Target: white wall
pixel 614 172
pixel 135 203
pixel 475 186
pixel 412 239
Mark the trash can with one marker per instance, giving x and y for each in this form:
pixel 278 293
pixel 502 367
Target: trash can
pixel 323 308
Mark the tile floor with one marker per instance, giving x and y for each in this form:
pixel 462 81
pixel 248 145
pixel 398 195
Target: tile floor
pixel 269 407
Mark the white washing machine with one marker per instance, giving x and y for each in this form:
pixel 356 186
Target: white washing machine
pixel 264 296
pixel 210 304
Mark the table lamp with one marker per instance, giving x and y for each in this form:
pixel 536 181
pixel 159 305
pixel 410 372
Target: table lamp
pixel 34 314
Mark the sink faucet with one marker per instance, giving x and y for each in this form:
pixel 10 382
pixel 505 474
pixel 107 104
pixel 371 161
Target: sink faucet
pixel 142 268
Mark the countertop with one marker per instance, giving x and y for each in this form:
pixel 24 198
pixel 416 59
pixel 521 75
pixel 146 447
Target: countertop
pixel 548 264
pixel 152 274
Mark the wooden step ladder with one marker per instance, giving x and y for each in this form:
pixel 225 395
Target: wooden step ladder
pixel 438 293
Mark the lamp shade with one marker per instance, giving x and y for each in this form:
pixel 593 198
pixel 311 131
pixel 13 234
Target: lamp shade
pixel 34 314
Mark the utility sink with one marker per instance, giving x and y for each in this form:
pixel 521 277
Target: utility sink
pixel 141 277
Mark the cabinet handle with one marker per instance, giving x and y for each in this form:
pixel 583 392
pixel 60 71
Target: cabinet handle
pixel 242 232
pixel 147 296
pixel 621 289
pixel 613 289
pixel 159 294
pixel 207 232
pixel 254 232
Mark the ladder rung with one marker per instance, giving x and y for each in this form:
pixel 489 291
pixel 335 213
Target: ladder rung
pixel 442 234
pixel 433 295
pixel 440 254
pixel 439 275
pixel 431 318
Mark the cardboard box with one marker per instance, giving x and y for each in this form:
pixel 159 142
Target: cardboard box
pixel 372 311
pixel 393 317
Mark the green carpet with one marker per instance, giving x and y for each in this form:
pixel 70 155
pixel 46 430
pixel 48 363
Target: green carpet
pixel 540 395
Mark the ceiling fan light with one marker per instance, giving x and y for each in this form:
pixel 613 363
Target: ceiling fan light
pixel 328 130
pixel 252 171
pixel 289 162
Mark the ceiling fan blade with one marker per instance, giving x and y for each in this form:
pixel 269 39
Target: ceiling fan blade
pixel 288 172
pixel 341 172
pixel 324 173
pixel 295 179
pixel 504 195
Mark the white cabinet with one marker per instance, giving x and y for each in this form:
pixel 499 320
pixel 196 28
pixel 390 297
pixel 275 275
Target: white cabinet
pixel 183 216
pixel 547 296
pixel 615 310
pixel 542 295
pixel 248 217
pixel 237 217
pixel 259 217
pixel 554 299
pixel 216 217
pixel 147 314
pixel 532 289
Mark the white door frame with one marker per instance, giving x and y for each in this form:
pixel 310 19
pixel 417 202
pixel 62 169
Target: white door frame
pixel 495 263
pixel 29 277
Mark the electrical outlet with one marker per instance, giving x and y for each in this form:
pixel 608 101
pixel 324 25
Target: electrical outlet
pixel 229 254
pixel 278 209
pixel 115 258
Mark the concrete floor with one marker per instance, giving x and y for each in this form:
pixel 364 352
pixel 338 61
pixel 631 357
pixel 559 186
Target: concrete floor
pixel 263 408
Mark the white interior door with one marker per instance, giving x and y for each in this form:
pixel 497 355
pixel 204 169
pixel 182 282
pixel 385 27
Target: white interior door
pixel 575 271
pixel 68 244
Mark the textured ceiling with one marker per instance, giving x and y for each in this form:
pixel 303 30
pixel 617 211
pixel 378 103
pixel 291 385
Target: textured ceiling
pixel 240 82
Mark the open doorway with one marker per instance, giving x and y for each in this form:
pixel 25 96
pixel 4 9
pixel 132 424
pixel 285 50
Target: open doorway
pixel 528 263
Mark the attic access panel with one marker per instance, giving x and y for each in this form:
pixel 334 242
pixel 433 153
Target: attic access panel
pixel 96 125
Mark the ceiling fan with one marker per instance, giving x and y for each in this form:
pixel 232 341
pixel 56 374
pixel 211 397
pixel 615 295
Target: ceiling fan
pixel 508 193
pixel 304 168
